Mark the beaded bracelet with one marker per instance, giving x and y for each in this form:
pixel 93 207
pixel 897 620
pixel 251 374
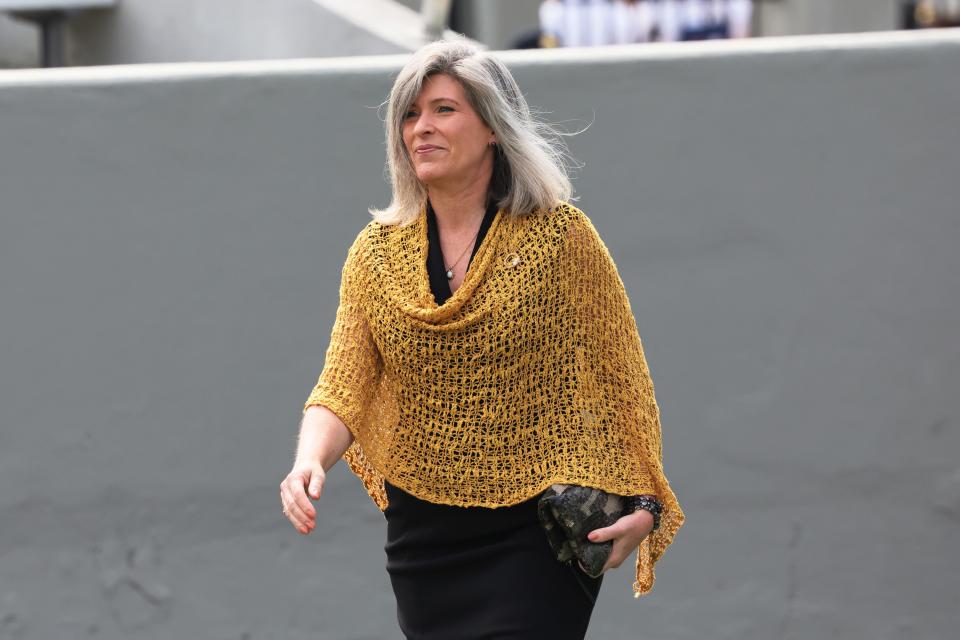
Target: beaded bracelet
pixel 648 502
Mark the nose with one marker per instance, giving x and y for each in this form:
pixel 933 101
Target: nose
pixel 424 124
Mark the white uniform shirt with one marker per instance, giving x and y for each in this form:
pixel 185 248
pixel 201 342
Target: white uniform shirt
pixel 739 13
pixel 667 16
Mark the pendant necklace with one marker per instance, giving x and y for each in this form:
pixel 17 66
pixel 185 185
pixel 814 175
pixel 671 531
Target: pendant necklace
pixel 450 268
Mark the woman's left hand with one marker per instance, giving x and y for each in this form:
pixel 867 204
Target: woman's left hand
pixel 626 533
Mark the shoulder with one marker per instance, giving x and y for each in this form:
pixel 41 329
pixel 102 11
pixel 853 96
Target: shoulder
pixel 557 220
pixel 582 247
pixel 364 239
pixel 376 234
pixel 358 253
pixel 566 233
pixel 563 226
pixel 576 227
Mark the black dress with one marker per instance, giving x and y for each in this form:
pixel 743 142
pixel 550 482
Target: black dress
pixel 472 573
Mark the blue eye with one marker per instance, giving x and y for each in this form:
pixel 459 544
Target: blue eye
pixel 410 113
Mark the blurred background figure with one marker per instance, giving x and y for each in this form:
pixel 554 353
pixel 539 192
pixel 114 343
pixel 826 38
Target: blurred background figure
pixel 713 19
pixel 632 21
pixel 585 23
pixel 930 14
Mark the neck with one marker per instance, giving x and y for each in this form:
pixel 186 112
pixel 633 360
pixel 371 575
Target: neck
pixel 459 208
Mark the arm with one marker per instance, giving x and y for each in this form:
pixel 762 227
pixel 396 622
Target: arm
pixel 336 401
pixel 323 440
pixel 616 366
pixel 323 437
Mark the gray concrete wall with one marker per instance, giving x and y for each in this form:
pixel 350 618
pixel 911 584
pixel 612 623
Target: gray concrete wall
pixel 498 23
pixel 796 17
pixel 784 214
pixel 19 44
pixel 145 31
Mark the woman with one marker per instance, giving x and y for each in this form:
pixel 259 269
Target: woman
pixel 483 351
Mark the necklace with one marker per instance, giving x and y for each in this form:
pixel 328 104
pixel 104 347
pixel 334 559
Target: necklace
pixel 450 268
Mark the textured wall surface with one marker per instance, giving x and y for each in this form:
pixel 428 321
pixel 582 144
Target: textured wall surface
pixel 784 214
pixel 19 43
pixel 146 31
pixel 795 17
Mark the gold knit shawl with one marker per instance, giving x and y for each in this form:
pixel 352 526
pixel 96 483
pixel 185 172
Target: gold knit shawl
pixel 531 374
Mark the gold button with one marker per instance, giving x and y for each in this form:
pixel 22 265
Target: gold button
pixel 511 260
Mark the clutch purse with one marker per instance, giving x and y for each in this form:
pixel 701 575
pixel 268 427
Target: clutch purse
pixel 568 512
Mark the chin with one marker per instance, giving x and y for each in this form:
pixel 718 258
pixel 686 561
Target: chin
pixel 428 177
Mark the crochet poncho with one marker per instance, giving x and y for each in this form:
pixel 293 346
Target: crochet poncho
pixel 531 374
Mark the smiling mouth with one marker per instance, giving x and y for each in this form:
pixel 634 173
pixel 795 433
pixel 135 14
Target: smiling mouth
pixel 428 150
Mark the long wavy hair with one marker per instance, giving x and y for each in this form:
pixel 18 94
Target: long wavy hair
pixel 530 158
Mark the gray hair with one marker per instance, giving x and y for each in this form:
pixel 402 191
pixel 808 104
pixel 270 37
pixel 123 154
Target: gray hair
pixel 529 171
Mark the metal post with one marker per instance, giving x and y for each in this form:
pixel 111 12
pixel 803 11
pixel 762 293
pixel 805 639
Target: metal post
pixel 52 33
pixel 435 14
pixel 52 39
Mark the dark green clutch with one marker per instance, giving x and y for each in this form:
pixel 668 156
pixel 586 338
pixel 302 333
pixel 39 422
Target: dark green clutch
pixel 568 512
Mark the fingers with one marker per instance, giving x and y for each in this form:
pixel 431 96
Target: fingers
pixel 625 537
pixel 296 502
pixel 636 525
pixel 603 534
pixel 316 484
pixel 295 512
pixel 618 554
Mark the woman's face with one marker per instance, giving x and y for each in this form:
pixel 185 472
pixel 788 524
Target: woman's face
pixel 447 141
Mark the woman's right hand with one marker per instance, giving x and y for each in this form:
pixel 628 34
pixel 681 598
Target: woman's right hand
pixel 303 478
